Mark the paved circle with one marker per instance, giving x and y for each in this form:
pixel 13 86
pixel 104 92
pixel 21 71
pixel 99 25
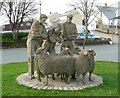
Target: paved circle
pixel 57 84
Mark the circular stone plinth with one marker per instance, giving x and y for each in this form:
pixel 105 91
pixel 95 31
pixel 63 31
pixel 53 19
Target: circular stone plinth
pixel 57 84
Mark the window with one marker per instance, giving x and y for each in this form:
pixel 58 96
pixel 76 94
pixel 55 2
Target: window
pixel 21 25
pixel 28 24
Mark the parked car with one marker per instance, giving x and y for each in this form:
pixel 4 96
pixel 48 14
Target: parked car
pixel 81 33
pixel 90 35
pixel 92 39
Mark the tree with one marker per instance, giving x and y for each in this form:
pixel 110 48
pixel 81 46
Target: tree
pixel 1 3
pixel 88 10
pixel 17 11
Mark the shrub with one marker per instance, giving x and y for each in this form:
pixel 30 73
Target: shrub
pixel 22 35
pixel 7 35
pixel 91 41
pixel 6 42
pixel 23 41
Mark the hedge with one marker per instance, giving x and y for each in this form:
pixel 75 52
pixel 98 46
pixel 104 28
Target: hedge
pixel 7 40
pixel 90 41
pixel 9 35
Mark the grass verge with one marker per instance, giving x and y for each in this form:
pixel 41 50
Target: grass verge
pixel 107 70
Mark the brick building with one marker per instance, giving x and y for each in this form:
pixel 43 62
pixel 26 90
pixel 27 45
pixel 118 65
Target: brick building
pixel 26 25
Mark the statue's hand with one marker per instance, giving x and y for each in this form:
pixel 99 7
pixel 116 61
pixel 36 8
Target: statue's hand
pixel 53 40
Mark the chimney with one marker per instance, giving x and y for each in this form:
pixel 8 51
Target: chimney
pixel 106 4
pixel 74 8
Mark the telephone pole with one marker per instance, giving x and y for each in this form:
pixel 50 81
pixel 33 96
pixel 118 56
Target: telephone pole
pixel 86 24
pixel 40 3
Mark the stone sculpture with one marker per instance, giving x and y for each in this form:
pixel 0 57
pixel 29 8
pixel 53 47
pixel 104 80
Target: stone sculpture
pixel 49 64
pixel 35 40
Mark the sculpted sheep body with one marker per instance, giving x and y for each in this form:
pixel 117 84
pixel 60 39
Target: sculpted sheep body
pixel 58 64
pixel 81 66
pixel 91 61
pixel 85 63
pixel 50 64
pixel 54 64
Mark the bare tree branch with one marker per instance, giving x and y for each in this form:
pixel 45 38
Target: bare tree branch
pixel 16 11
pixel 87 8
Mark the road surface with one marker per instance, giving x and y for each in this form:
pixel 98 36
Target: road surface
pixel 104 52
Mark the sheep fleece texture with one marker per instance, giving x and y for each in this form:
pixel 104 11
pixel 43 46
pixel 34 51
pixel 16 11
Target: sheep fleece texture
pixel 58 64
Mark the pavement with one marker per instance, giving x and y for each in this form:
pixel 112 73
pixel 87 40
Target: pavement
pixel 57 84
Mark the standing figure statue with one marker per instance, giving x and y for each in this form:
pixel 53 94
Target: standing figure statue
pixel 59 38
pixel 51 40
pixel 54 38
pixel 69 31
pixel 35 40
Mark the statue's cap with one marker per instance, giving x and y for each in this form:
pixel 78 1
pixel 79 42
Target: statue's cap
pixel 69 16
pixel 43 16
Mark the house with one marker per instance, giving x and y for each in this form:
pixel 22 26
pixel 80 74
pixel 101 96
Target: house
pixel 0 29
pixel 55 18
pixel 108 23
pixel 118 20
pixel 77 17
pixel 26 25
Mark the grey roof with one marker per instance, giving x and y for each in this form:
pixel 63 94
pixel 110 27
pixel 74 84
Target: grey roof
pixel 109 12
pixel 118 17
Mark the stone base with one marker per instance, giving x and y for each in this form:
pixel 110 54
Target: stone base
pixel 57 84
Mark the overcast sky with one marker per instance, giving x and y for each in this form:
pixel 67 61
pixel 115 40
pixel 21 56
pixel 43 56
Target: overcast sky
pixel 61 6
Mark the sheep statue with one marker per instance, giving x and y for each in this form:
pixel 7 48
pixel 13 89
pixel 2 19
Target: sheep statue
pixel 91 60
pixel 85 63
pixel 65 51
pixel 48 64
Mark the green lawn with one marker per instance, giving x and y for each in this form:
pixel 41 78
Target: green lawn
pixel 107 70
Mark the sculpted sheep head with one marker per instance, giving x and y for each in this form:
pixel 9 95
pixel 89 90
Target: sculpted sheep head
pixel 41 50
pixel 77 50
pixel 84 52
pixel 65 51
pixel 91 51
pixel 51 35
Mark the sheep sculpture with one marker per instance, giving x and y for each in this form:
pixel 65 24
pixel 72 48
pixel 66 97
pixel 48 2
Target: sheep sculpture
pixel 85 63
pixel 65 51
pixel 48 64
pixel 91 61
